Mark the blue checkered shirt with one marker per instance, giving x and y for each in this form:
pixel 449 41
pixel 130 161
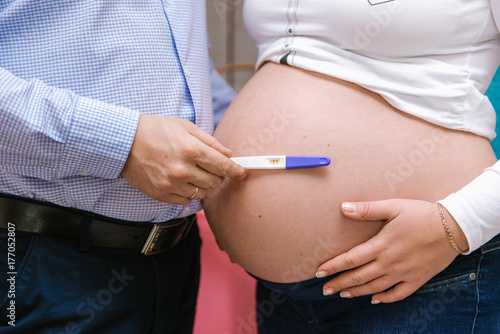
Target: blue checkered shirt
pixel 74 78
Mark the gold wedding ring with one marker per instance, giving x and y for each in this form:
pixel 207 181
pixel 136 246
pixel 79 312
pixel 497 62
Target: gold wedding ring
pixel 195 192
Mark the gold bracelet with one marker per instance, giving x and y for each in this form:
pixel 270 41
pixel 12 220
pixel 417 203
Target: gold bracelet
pixel 447 230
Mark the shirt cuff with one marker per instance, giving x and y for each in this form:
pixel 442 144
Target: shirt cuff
pixel 99 140
pixel 475 207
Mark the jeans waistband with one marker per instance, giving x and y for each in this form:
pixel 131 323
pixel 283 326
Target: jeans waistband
pixel 312 289
pixel 309 290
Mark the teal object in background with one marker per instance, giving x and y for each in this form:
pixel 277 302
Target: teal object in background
pixel 493 94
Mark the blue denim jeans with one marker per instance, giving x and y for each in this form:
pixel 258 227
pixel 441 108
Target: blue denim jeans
pixel 60 290
pixel 464 298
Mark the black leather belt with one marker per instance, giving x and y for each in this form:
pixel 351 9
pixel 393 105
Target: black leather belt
pixel 51 221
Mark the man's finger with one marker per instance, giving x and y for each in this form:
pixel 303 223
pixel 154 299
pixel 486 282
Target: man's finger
pixel 216 157
pixel 209 140
pixel 218 164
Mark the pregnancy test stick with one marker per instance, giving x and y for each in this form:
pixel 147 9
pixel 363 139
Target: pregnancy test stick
pixel 281 162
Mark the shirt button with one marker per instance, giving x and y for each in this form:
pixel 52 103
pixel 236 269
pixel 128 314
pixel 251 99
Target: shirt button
pixel 168 2
pixel 84 173
pixel 186 72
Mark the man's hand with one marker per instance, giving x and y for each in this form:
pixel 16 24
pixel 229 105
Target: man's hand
pixel 170 157
pixel 410 249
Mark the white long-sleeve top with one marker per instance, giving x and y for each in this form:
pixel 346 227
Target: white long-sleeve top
pixel 476 207
pixel 431 59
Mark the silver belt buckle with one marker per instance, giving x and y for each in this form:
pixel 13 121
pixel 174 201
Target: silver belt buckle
pixel 154 235
pixel 157 230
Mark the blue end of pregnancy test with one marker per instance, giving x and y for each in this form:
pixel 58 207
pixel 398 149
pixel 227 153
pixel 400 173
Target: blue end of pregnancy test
pixel 306 161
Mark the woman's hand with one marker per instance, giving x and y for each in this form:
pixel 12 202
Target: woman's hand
pixel 410 249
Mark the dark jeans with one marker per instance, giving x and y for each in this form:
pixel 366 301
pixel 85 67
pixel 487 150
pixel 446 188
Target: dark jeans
pixel 59 289
pixel 464 298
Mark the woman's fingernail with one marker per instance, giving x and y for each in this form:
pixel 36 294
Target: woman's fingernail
pixel 321 274
pixel 349 207
pixel 328 291
pixel 345 294
pixel 375 301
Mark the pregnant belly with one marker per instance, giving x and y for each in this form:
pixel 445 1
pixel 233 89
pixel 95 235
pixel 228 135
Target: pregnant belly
pixel 280 225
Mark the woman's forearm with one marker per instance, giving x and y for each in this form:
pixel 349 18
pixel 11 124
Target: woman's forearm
pixel 476 207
